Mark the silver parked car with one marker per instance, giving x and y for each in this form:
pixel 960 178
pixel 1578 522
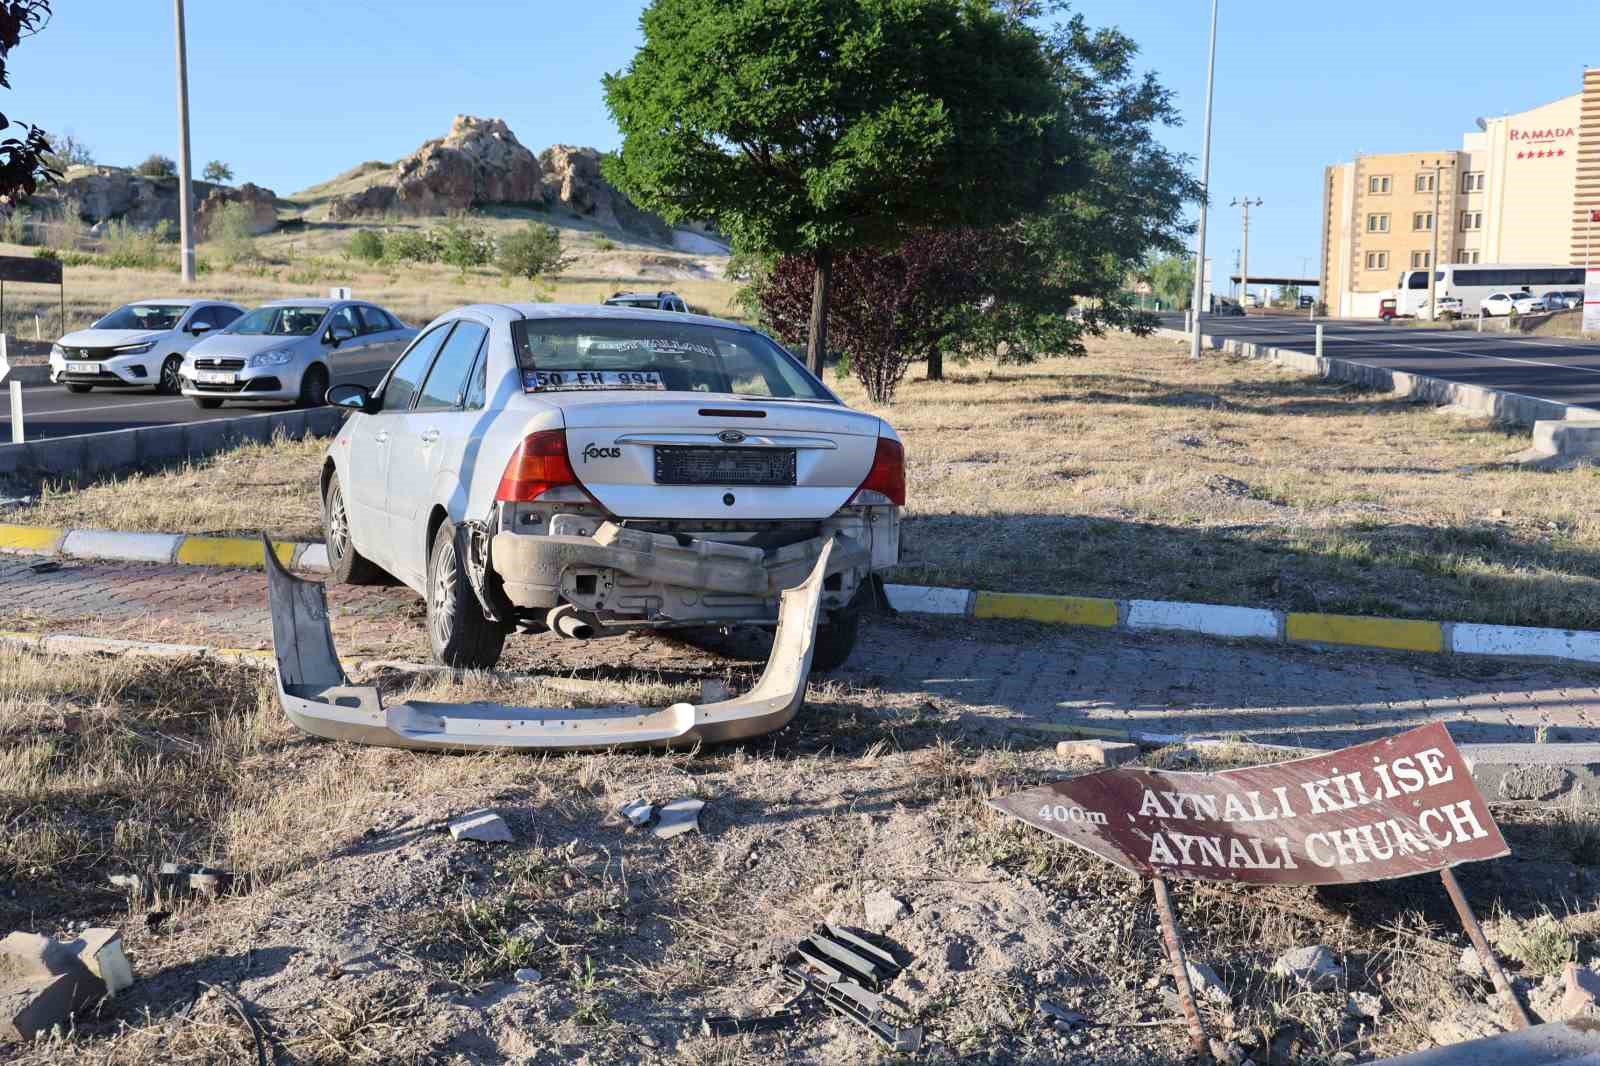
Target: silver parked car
pixel 594 471
pixel 290 351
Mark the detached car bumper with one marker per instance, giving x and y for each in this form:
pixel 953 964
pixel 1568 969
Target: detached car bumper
pixel 531 567
pixel 317 696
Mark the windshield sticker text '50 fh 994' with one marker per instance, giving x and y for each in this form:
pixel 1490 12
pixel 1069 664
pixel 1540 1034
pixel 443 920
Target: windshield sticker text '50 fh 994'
pixel 1390 808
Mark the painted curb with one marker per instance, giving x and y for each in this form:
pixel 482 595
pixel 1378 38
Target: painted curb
pixel 104 545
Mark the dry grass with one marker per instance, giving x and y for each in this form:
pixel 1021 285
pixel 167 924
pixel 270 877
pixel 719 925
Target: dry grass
pixel 1132 472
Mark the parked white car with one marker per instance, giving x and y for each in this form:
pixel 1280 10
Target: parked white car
pixel 138 344
pixel 291 351
pixel 1502 303
pixel 597 470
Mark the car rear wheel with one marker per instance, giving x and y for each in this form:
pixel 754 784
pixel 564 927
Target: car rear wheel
pixel 461 636
pixel 836 640
pixel 314 386
pixel 349 566
pixel 169 384
pixel 79 389
pixel 206 403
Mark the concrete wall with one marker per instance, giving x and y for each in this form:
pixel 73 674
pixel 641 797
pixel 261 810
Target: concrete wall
pixel 126 449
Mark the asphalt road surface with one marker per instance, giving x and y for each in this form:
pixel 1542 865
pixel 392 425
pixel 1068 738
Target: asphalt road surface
pixel 52 411
pixel 1547 368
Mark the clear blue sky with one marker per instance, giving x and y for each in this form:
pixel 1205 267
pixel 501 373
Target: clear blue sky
pixel 293 92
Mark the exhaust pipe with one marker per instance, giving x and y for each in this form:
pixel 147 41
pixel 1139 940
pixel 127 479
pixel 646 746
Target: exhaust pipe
pixel 564 621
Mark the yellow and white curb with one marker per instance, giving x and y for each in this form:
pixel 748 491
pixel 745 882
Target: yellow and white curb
pixel 1254 623
pixel 180 548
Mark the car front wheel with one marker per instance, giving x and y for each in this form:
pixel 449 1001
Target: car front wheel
pixel 80 389
pixel 206 403
pixel 169 384
pixel 461 636
pixel 349 567
pixel 314 386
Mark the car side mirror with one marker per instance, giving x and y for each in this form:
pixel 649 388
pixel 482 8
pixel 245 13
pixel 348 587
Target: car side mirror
pixel 337 335
pixel 352 396
pixel 200 327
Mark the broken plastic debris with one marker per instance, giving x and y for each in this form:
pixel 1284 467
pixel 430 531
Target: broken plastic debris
pixel 678 817
pixel 638 812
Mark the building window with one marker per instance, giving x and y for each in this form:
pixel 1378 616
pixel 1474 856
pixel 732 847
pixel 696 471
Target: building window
pixel 1472 220
pixel 1377 223
pixel 1377 260
pixel 1473 181
pixel 1420 260
pixel 1424 182
pixel 1422 220
pixel 1378 183
pixel 1464 256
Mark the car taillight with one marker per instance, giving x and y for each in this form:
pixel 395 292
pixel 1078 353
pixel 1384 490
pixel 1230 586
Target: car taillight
pixel 538 465
pixel 886 481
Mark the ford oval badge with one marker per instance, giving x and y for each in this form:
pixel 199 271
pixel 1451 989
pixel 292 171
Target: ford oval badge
pixel 730 436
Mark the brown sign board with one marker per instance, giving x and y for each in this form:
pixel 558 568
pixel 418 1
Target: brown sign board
pixel 27 269
pixel 1394 807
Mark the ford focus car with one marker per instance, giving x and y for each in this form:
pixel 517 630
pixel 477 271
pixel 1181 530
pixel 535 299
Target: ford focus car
pixel 141 344
pixel 290 351
pixel 597 470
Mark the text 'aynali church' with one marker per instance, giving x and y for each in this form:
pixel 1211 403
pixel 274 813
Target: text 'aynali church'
pixel 1522 189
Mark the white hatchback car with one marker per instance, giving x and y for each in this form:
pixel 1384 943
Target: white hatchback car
pixel 141 343
pixel 595 470
pixel 1503 303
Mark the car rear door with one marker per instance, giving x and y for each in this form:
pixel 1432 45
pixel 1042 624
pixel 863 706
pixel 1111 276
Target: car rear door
pixel 372 438
pixel 431 440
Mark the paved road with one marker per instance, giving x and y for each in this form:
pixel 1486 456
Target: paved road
pixel 987 676
pixel 52 411
pixel 1546 368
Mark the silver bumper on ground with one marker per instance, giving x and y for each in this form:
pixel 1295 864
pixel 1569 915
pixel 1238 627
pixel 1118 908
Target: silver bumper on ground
pixel 317 696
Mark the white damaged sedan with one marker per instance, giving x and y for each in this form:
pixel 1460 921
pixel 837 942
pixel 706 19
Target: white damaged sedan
pixel 593 470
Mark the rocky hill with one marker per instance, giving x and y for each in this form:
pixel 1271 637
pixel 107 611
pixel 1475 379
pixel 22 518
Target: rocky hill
pixel 479 162
pixel 100 194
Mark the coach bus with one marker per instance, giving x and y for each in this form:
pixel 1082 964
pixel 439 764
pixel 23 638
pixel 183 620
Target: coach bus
pixel 1472 282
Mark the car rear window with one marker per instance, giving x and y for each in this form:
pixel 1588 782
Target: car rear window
pixel 597 354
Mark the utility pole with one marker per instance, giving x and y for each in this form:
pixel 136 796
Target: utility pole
pixel 1433 256
pixel 185 188
pixel 1244 268
pixel 1205 194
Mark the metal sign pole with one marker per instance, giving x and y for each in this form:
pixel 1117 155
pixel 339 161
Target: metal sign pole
pixel 1180 965
pixel 1480 944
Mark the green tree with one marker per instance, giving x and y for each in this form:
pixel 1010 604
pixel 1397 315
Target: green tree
pixel 812 127
pixel 366 245
pixel 533 250
pixel 1172 278
pixel 218 171
pixel 232 235
pixel 157 165
pixel 23 160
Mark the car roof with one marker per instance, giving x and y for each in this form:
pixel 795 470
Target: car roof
pixel 648 314
pixel 309 301
pixel 185 301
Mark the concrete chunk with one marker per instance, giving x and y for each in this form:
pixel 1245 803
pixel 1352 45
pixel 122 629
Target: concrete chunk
pixel 1099 752
pixel 29 955
pixel 482 824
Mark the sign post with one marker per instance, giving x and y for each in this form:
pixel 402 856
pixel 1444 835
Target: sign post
pixel 1395 807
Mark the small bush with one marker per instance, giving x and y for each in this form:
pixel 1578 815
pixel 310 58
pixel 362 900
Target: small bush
pixel 463 244
pixel 533 250
pixel 157 166
pixel 366 246
pixel 43 252
pixel 232 236
pixel 129 247
pixel 604 244
pixel 409 246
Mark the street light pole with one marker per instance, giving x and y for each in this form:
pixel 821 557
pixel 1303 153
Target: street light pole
pixel 1433 256
pixel 1205 194
pixel 1244 267
pixel 185 188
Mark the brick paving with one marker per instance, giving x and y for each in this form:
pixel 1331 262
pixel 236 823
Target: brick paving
pixel 992 676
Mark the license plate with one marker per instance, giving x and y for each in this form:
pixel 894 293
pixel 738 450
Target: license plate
pixel 83 368
pixel 677 465
pixel 215 377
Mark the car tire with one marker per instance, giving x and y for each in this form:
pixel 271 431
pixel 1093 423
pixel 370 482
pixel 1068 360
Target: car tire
pixel 457 630
pixel 314 386
pixel 348 566
pixel 836 640
pixel 168 384
pixel 79 389
pixel 206 403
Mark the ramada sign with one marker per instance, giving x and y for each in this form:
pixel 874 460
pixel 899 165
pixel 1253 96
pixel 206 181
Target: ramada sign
pixel 1395 807
pixel 1540 144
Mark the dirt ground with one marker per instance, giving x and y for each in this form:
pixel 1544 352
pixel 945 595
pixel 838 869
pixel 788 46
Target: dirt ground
pixel 1132 472
pixel 359 931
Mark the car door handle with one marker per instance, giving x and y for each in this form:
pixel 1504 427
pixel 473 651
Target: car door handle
pixel 429 436
pixel 381 437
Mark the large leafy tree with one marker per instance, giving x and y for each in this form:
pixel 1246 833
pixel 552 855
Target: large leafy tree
pixel 812 127
pixel 22 159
